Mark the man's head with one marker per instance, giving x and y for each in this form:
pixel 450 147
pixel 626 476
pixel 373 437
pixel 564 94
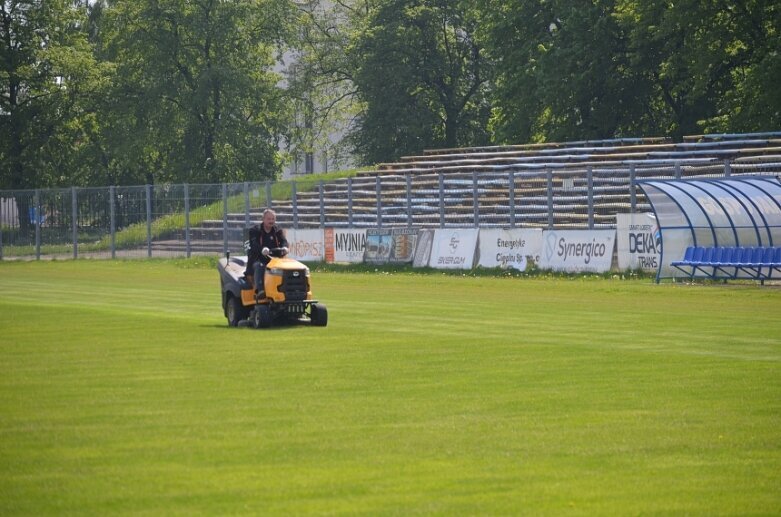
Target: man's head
pixel 269 219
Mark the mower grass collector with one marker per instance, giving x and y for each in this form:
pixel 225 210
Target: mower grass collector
pixel 287 295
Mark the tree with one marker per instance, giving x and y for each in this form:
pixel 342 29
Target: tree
pixel 422 76
pixel 194 97
pixel 568 69
pixel 681 50
pixel 738 48
pixel 47 73
pixel 563 71
pixel 320 77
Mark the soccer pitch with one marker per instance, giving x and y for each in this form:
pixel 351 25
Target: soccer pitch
pixel 122 390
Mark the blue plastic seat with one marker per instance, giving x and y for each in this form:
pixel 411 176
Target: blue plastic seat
pixel 767 256
pixel 756 256
pixel 687 258
pixel 724 256
pixel 697 255
pixel 718 253
pixel 741 256
pixel 777 257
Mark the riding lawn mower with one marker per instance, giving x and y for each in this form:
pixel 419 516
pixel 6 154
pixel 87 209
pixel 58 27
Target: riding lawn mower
pixel 286 296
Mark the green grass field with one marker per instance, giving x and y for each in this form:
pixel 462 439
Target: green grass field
pixel 123 391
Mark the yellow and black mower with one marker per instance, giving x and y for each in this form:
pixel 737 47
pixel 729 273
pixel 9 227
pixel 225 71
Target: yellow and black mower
pixel 287 295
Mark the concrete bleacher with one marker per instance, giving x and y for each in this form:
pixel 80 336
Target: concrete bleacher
pixel 557 156
pixel 476 184
pixel 731 136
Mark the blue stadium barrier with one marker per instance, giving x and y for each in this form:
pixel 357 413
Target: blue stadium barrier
pixel 727 263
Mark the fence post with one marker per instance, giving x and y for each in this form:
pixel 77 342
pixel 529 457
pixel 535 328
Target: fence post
pixel 378 188
pixel 408 181
pixel 549 188
pixel 475 207
pixel 590 189
pixel 246 205
pixel 512 199
pixel 36 212
pixel 148 220
pixel 441 200
pixel 1 240
pixel 632 187
pixel 677 170
pixel 224 218
pixel 294 203
pixel 349 202
pixel 727 168
pixel 112 208
pixel 75 222
pixel 187 241
pixel 322 203
pixel 268 194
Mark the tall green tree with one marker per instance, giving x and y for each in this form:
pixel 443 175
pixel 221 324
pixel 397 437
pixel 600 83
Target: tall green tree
pixel 422 77
pixel 194 97
pixel 701 57
pixel 714 66
pixel 569 69
pixel 564 71
pixel 47 75
pixel 320 77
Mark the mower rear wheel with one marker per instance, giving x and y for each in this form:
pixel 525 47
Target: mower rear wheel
pixel 319 315
pixel 235 311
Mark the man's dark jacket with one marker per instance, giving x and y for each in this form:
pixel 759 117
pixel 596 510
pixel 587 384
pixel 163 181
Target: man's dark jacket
pixel 259 239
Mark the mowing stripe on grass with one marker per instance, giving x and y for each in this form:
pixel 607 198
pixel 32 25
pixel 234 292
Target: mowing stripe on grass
pixel 122 390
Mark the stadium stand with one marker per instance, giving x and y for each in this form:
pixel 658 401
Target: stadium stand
pixel 572 185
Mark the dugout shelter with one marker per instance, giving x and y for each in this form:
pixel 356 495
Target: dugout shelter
pixel 733 216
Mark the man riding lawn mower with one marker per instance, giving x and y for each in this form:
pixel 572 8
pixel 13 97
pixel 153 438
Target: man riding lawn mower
pixel 265 287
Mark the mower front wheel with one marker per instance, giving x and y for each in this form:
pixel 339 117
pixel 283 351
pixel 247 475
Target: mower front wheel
pixel 261 317
pixel 319 315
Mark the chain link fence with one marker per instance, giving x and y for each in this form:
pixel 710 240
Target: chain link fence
pixel 182 220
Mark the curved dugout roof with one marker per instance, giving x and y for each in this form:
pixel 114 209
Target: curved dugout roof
pixel 737 211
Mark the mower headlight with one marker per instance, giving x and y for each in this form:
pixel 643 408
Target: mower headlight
pixel 275 271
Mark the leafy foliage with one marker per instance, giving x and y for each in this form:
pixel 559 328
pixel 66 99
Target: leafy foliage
pixel 619 67
pixel 151 91
pixel 197 100
pixel 47 71
pixel 422 77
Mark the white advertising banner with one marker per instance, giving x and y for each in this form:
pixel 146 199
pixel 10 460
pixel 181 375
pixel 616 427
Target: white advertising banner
pixel 577 250
pixel 306 245
pixel 453 248
pixel 392 245
pixel 638 241
pixel 510 248
pixel 343 245
pixel 423 248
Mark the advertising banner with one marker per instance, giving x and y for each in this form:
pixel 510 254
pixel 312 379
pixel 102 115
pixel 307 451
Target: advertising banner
pixel 306 245
pixel 396 245
pixel 453 248
pixel 342 245
pixel 638 241
pixel 423 248
pixel 510 248
pixel 577 250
